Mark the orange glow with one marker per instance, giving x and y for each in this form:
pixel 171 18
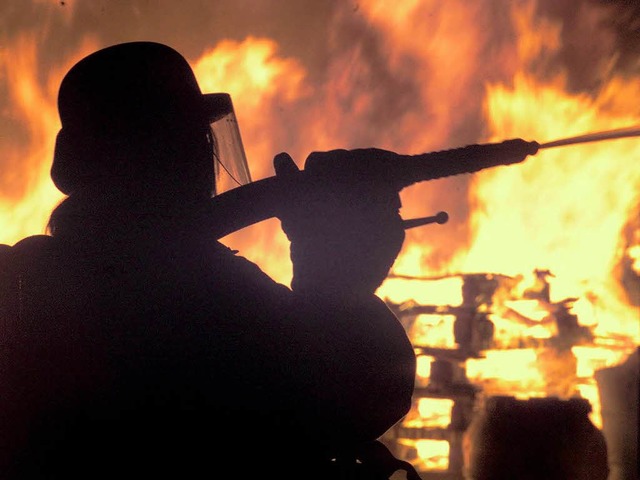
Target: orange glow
pixel 433 454
pixel 444 291
pixel 252 71
pixel 634 254
pixel 435 412
pixel 35 109
pixel 423 366
pixel 32 195
pixel 428 32
pixel 508 372
pixel 433 331
pixel 570 210
pixel 564 210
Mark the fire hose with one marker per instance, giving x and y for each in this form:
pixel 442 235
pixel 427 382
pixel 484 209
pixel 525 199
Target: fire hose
pixel 263 199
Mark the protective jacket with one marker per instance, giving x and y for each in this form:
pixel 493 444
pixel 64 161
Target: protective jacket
pixel 170 356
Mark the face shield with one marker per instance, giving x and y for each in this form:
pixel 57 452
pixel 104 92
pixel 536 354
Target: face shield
pixel 230 162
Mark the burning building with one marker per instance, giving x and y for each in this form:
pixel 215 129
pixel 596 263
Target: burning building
pixel 498 350
pixel 530 289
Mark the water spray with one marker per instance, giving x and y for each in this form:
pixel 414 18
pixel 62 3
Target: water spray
pixel 594 137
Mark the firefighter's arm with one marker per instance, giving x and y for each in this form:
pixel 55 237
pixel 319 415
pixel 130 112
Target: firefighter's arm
pixel 345 232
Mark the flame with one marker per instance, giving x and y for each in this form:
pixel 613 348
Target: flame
pixel 570 210
pixel 27 194
pixel 423 366
pixel 431 454
pixel 251 70
pixel 555 211
pixel 34 109
pixel 436 412
pixel 515 370
pixel 434 454
pixel 566 210
pixel 634 254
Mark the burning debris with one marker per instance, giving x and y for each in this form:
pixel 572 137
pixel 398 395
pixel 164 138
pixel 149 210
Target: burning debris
pixel 466 351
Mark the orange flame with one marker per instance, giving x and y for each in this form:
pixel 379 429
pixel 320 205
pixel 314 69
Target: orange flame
pixel 565 210
pixel 28 195
pixel 252 71
pixel 571 210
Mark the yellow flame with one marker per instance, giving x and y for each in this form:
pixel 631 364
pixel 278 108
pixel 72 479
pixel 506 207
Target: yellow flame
pixel 423 366
pixel 34 110
pixel 444 291
pixel 433 331
pixel 564 209
pixel 435 412
pixel 634 254
pixel 260 83
pixel 507 372
pixel 434 454
pixel 593 357
pixel 589 391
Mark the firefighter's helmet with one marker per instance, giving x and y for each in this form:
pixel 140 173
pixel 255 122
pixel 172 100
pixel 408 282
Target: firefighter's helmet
pixel 134 111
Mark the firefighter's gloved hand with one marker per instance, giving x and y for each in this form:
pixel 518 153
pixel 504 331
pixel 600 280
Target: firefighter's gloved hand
pixel 345 228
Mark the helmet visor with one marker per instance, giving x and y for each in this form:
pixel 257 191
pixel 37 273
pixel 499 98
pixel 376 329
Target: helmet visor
pixel 229 159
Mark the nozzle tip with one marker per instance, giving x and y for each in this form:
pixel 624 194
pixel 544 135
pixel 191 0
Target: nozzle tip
pixel 442 217
pixel 533 147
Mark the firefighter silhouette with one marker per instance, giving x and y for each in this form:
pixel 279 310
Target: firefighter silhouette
pixel 135 344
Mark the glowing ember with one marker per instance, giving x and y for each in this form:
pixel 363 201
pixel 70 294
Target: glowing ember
pixel 634 254
pixel 433 331
pixel 423 366
pixel 434 454
pixel 563 211
pixel 252 71
pixel 515 370
pixel 435 412
pixel 431 455
pixel 399 289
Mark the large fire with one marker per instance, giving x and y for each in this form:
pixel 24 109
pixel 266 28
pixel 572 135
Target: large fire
pixel 570 211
